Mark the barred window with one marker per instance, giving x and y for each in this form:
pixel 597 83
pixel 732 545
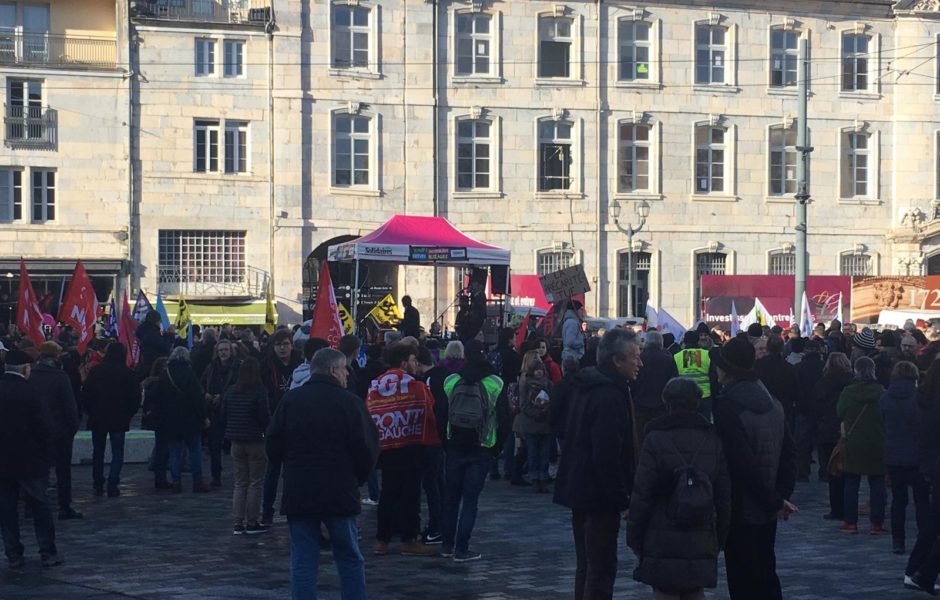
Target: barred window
pixel 855 265
pixel 550 261
pixel 706 263
pixel 202 256
pixel 782 263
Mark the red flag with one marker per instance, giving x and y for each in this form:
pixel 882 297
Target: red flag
pixel 80 308
pixel 523 330
pixel 326 323
pixel 28 315
pixel 126 329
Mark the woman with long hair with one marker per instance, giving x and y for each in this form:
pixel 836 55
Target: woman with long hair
pixel 837 373
pixel 533 422
pixel 217 378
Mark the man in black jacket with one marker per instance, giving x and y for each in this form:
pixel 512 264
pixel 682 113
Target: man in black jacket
pixel 808 372
pixel 658 368
pixel 25 457
pixel 779 377
pixel 595 473
pixel 328 446
pixel 411 321
pixel 762 463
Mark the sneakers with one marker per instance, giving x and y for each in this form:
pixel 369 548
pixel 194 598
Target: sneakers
pixel 432 538
pixel 16 563
pixel 255 528
pixel 921 584
pixel 467 556
pixel 910 584
pixel 447 552
pixel 68 513
pixel 369 502
pixel 238 530
pixel 417 549
pixel 878 529
pixel 52 560
pixel 380 548
pixel 848 528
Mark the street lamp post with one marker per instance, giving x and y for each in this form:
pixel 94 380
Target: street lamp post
pixel 642 210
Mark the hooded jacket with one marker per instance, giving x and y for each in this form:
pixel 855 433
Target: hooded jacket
pixel 658 368
pixel 899 413
pixel 534 417
pixel 571 336
pixel 300 375
pixel 111 395
pixel 865 447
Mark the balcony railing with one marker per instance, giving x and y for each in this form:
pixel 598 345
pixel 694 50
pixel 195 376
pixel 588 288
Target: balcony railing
pixel 57 51
pixel 30 127
pixel 248 12
pixel 198 282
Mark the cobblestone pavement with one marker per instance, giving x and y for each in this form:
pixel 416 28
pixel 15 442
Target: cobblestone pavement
pixel 161 547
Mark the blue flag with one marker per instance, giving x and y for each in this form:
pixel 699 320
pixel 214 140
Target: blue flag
pixel 164 318
pixel 734 320
pixel 111 330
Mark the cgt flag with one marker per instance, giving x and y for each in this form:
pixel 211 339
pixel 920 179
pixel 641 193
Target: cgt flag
pixel 386 311
pixel 28 315
pixel 325 322
pixel 80 307
pixel 345 318
pixel 126 330
pixel 183 319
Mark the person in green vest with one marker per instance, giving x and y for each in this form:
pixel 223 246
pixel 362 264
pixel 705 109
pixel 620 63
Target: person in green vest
pixel 693 362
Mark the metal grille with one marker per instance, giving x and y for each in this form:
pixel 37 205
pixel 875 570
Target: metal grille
pixel 550 261
pixel 782 263
pixel 709 263
pixel 855 265
pixel 202 256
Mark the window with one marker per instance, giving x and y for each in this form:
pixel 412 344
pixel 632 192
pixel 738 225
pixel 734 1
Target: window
pixel 855 62
pixel 201 256
pixel 351 156
pixel 236 147
pixel 706 263
pixel 549 261
pixel 206 144
pixel 709 159
pixel 783 157
pixel 233 58
pixel 634 163
pixel 855 164
pixel 205 57
pixel 782 262
pixel 783 57
pixel 855 264
pixel 554 155
pixel 24 117
pixel 634 50
pixel 641 279
pixel 555 42
pixel 43 195
pixel 350 37
pixel 474 44
pixel 710 52
pixel 473 154
pixel 11 194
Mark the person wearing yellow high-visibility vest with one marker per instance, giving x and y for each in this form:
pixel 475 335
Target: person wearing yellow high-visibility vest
pixel 693 362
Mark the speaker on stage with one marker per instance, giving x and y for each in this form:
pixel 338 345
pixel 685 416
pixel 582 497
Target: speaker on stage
pixel 499 279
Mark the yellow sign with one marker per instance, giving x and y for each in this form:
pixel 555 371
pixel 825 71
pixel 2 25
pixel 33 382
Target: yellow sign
pixel 345 318
pixel 386 311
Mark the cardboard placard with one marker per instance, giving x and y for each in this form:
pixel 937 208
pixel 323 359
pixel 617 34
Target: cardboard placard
pixel 564 284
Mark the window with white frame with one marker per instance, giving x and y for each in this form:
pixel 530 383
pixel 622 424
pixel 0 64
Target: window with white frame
pixel 783 157
pixel 233 58
pixel 711 51
pixel 11 194
pixel 549 261
pixel 784 54
pixel 855 57
pixel 205 57
pixel 206 146
pixel 634 161
pixel 855 264
pixel 555 155
pixel 351 155
pixel 474 44
pixel 635 50
pixel 556 41
pixel 706 263
pixel 710 159
pixel 351 30
pixel 236 147
pixel 43 195
pixel 474 158
pixel 782 262
pixel 856 165
pixel 24 110
pixel 195 256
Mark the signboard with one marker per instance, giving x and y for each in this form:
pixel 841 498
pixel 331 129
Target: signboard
pixel 435 253
pixel 564 284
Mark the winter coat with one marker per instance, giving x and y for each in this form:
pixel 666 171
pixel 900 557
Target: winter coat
pixel 552 370
pixel 563 394
pixel 148 405
pixel 53 385
pixel 217 378
pixel 671 558
pixel 780 379
pixel 246 414
pixel 534 417
pixel 410 323
pixel 571 336
pixel 181 403
pixel 111 396
pixel 825 397
pixel 759 448
pixel 201 358
pixel 808 373
pixel 595 470
pixel 865 448
pixel 928 424
pixel 884 364
pixel 434 378
pixel 467 441
pixel 25 431
pixel 153 345
pixel 658 368
pixel 277 376
pixel 899 414
pixel 328 445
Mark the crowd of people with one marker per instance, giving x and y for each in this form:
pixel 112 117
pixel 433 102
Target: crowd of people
pixel 693 446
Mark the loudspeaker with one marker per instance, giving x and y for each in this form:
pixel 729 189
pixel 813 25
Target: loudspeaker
pixel 499 279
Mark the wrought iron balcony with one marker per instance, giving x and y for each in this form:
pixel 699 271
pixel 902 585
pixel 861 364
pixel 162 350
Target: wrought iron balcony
pixel 57 51
pixel 30 127
pixel 246 12
pixel 201 281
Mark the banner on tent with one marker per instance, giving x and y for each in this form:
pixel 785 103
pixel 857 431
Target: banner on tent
pixel 436 253
pixel 564 284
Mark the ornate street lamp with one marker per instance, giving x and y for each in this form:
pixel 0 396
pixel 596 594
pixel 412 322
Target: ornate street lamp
pixel 642 209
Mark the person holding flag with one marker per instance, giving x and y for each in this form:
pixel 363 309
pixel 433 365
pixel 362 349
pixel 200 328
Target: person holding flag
pixel 80 307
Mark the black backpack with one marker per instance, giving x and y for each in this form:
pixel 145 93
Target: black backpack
pixel 691 501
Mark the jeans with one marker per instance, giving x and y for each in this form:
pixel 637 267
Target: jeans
pixel 595 545
pixel 901 479
pixel 751 562
pixel 466 475
pixel 62 447
pixel 878 498
pixel 433 483
pixel 33 492
pixel 216 438
pixel 98 440
pixel 250 465
pixel 194 445
pixel 538 446
pixel 836 484
pixel 161 457
pixel 305 557
pixel 400 505
pixel 271 479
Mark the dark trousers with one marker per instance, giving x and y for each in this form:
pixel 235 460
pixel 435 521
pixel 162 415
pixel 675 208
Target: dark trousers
pixel 836 484
pixel 33 492
pixel 805 438
pixel 925 556
pixel 160 457
pixel 271 479
pixel 62 447
pixel 595 544
pixel 878 497
pixel 752 563
pixel 466 476
pixel 400 504
pixel 901 479
pixel 433 482
pixel 98 440
pixel 216 435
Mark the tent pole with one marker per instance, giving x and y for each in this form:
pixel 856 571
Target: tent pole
pixel 355 299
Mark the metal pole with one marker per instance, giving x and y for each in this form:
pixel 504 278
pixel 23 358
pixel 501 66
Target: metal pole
pixel 355 299
pixel 630 272
pixel 802 175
